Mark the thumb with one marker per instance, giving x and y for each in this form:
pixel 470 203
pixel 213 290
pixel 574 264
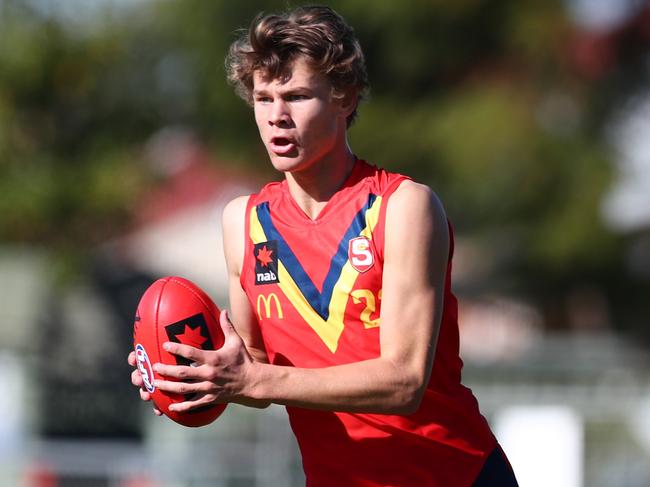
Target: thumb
pixel 226 324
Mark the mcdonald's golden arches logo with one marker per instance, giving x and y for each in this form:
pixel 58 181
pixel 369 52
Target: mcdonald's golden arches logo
pixel 267 301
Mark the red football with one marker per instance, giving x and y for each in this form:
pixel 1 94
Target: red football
pixel 176 310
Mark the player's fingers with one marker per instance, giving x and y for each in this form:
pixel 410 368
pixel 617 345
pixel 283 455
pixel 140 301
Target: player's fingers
pixel 131 359
pixel 181 387
pixel 177 371
pixel 226 324
pixel 187 351
pixel 136 378
pixel 198 401
pixel 144 395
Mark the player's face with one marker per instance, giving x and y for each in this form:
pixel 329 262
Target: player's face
pixel 300 122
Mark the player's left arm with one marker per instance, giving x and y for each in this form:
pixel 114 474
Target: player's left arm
pixel 416 253
pixel 416 257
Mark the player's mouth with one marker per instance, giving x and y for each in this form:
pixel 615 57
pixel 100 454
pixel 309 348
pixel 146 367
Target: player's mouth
pixel 282 145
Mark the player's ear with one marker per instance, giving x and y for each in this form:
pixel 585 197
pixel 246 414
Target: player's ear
pixel 347 100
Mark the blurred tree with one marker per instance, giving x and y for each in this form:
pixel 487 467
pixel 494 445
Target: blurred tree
pixel 486 101
pixel 69 136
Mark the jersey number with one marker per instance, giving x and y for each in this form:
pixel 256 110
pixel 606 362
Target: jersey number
pixel 368 297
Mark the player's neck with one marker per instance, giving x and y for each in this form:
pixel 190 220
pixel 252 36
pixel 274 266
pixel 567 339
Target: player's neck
pixel 313 188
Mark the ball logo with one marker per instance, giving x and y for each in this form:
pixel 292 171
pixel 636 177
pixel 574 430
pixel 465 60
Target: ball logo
pixel 144 366
pixel 192 331
pixel 360 254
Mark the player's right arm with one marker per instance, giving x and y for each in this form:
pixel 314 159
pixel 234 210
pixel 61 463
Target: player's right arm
pixel 242 315
pixel 243 318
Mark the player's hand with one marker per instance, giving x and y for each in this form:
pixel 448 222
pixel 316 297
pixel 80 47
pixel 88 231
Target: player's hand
pixel 215 376
pixel 136 380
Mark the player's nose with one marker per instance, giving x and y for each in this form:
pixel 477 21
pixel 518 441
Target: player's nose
pixel 279 113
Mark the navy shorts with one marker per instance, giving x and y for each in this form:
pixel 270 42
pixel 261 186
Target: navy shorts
pixel 496 472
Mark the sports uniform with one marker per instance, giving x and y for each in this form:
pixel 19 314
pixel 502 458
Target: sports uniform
pixel 316 288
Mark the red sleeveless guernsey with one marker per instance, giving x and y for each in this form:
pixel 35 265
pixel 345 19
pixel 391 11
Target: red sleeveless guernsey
pixel 316 288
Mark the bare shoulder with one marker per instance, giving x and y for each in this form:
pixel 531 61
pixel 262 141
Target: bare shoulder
pixel 413 202
pixel 417 237
pixel 235 211
pixel 233 222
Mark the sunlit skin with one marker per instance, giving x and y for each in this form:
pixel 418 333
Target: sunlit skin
pixel 303 127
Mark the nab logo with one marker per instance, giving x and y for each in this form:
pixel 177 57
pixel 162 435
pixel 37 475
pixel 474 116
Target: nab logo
pixel 266 262
pixel 360 254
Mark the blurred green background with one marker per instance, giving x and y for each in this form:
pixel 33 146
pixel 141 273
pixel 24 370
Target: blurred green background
pixel 530 119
